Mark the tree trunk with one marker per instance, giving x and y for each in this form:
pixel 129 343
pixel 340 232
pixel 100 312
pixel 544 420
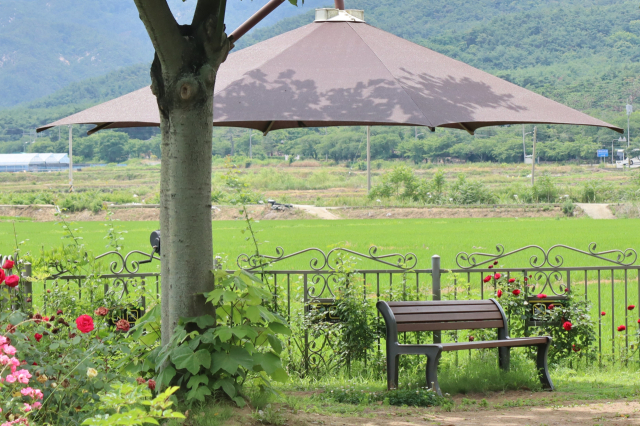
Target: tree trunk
pixel 183 77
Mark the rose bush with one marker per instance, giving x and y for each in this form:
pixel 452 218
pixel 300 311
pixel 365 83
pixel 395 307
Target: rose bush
pixel 567 321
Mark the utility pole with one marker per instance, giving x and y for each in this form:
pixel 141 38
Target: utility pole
pixel 629 111
pixel 70 158
pixel 250 140
pixel 533 156
pixel 368 159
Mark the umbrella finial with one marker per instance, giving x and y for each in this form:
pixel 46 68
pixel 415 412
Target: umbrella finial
pixel 339 4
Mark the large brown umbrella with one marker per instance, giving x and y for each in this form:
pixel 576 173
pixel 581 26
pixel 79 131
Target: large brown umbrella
pixel 344 72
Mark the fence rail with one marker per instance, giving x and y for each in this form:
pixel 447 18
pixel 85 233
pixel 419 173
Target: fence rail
pixel 611 285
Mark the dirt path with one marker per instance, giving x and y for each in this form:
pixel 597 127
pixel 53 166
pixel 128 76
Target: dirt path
pixel 597 211
pixel 615 413
pixel 320 212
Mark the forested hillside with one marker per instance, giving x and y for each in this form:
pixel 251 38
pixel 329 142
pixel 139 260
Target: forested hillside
pixel 48 44
pixel 582 53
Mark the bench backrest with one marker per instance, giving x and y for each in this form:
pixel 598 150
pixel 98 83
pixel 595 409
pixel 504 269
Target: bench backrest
pixel 443 315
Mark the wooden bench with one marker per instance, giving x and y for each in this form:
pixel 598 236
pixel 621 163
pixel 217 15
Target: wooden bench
pixel 453 315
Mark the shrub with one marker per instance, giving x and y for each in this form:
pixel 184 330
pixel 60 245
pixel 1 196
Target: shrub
pixel 243 345
pixel 568 208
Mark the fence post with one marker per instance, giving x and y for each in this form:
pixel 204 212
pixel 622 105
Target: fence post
pixel 435 289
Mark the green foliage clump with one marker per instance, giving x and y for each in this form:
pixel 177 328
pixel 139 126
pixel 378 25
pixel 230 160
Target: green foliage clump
pixel 206 354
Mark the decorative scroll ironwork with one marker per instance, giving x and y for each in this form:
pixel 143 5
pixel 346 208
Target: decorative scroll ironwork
pixel 325 261
pixel 122 264
pixel 538 260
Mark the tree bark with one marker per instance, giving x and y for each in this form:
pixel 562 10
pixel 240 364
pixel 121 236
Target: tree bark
pixel 183 77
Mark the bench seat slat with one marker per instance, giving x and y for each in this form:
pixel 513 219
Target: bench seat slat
pixel 443 309
pixel 523 341
pixel 450 316
pixel 460 325
pixel 441 303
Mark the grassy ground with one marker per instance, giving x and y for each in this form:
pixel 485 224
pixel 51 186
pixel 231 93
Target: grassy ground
pixel 582 396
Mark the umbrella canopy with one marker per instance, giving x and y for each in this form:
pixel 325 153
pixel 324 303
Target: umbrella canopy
pixel 344 72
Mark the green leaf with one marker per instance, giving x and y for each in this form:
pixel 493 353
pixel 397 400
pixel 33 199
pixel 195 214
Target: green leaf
pixel 224 333
pixel 198 393
pixel 227 385
pixel 202 322
pixel 280 328
pixel 166 375
pixel 54 346
pixel 242 331
pixel 214 296
pixel 229 296
pixel 280 375
pixel 275 343
pixel 184 357
pixel 197 380
pixel 252 313
pixel 223 361
pixel 242 357
pixel 248 277
pixel 268 361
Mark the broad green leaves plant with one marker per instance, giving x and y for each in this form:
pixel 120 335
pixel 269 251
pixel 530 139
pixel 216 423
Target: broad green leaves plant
pixel 208 355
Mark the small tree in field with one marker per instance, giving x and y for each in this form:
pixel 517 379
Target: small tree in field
pixel 183 75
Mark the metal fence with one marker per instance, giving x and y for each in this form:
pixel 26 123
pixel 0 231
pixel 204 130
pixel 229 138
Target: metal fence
pixel 611 283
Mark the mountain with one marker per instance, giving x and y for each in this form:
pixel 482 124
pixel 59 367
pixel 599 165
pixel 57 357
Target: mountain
pixel 47 44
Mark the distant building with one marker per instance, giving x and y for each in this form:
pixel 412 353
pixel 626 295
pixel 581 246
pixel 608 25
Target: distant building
pixel 33 162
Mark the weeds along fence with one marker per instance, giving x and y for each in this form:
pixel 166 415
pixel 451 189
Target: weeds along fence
pixel 609 280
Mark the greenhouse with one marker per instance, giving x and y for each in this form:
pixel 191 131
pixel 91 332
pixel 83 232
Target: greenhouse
pixel 55 161
pixel 21 162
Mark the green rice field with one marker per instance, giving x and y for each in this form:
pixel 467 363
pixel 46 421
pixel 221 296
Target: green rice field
pixel 424 237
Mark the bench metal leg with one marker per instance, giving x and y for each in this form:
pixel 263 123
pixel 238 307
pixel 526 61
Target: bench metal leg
pixel 392 371
pixel 504 358
pixel 433 359
pixel 543 370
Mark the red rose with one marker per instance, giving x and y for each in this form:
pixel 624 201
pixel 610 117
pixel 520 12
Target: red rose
pixel 471 338
pixel 550 307
pixel 2 276
pixel 566 290
pixel 152 384
pixel 12 281
pixel 37 318
pixel 512 280
pixel 603 313
pixel 8 264
pixel 38 336
pixel 84 323
pixel 11 328
pixel 622 328
pixel 567 326
pixel 638 321
pixel 490 266
pixel 526 279
pixel 541 296
pixel 123 325
pixel 487 278
pixel 499 293
pixel 575 348
pixel 59 312
pixel 46 319
pixel 631 307
pixel 516 292
pixel 101 312
pixel 497 276
pixel 141 381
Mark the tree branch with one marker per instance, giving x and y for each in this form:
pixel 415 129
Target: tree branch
pixel 207 8
pixel 163 31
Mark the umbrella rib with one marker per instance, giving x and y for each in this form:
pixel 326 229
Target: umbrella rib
pixel 266 132
pixel 98 128
pixel 389 71
pixel 471 132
